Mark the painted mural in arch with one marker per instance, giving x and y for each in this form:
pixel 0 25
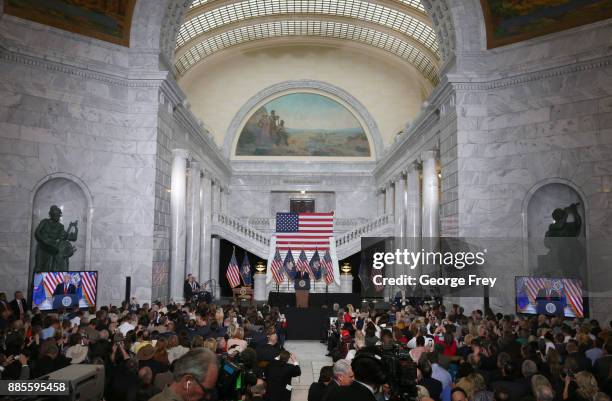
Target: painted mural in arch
pixel 510 21
pixel 108 20
pixel 303 124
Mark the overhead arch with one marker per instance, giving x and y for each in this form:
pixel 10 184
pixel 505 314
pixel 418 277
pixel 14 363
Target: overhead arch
pixel 401 27
pixel 302 28
pixel 233 133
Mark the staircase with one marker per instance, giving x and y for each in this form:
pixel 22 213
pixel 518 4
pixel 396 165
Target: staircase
pixel 257 240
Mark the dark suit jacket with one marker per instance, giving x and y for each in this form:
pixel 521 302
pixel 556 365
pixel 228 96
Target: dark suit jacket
pixel 330 389
pixel 279 376
pixel 15 306
pixel 59 289
pixel 354 392
pixel 553 293
pixel 433 386
pixel 188 291
pixel 267 352
pixel 316 391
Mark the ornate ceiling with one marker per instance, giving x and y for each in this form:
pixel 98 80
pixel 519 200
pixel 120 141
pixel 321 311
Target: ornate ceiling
pixel 399 27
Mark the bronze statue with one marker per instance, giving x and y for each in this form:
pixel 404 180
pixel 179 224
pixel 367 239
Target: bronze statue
pixel 561 227
pixel 54 247
pixel 566 254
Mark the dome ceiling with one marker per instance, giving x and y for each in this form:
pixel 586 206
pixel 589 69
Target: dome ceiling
pixel 400 27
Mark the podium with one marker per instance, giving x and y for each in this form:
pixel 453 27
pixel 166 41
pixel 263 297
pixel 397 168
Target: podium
pixel 65 301
pixel 301 284
pixel 550 306
pixel 243 293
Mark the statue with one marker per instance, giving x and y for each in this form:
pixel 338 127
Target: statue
pixel 566 254
pixel 561 227
pixel 54 247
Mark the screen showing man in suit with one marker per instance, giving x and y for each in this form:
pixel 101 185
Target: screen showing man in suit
pixel 80 287
pixel 65 287
pixel 553 296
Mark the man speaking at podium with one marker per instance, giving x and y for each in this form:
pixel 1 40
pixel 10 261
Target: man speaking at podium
pixel 65 287
pixel 301 284
pixel 548 300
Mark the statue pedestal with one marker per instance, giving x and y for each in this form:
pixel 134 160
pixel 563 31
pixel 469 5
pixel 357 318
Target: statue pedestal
pixel 346 283
pixel 260 287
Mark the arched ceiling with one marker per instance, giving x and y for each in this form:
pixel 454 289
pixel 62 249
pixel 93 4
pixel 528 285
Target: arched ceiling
pixel 400 27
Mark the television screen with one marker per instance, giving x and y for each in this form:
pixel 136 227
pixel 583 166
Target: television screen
pixel 53 290
pixel 536 295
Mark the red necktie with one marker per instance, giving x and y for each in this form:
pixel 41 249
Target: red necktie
pixel 65 289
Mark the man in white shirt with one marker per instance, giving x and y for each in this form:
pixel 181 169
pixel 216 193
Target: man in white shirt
pixel 126 325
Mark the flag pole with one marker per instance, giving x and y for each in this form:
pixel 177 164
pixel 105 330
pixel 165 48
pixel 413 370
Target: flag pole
pixel 314 281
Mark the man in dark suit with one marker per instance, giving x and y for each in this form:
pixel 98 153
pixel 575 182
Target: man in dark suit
pixel 268 351
pixel 548 292
pixel 317 389
pixel 190 287
pixel 279 374
pixel 343 376
pixel 369 376
pixel 18 305
pixel 65 287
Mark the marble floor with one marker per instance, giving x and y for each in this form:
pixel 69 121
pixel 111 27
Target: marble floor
pixel 311 355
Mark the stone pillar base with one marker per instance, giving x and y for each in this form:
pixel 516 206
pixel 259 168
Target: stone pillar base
pixel 260 292
pixel 346 283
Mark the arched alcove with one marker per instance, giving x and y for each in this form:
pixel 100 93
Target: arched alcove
pixel 555 246
pixel 73 198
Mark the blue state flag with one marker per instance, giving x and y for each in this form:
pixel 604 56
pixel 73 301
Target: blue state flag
pixel 289 265
pixel 38 294
pixel 315 265
pixel 245 270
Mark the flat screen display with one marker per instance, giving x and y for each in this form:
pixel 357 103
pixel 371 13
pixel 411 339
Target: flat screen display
pixel 535 295
pixel 52 290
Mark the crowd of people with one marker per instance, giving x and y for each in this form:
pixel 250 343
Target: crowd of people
pixel 418 352
pixel 154 351
pixel 425 352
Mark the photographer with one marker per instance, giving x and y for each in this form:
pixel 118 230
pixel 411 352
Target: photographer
pixel 279 374
pixel 369 375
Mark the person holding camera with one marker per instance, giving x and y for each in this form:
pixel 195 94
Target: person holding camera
pixel 279 373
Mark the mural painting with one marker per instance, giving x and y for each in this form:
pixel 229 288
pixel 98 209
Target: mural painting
pixel 303 124
pixel 510 21
pixel 107 20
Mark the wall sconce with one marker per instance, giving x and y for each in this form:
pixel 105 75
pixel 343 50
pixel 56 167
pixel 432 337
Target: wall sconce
pixel 303 192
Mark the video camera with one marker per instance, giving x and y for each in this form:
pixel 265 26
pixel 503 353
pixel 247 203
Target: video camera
pixel 401 372
pixel 234 378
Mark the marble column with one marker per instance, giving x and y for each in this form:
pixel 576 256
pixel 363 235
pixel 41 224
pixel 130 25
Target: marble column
pixel 193 219
pixel 205 241
pixel 178 237
pixel 431 195
pixel 380 201
pixel 389 194
pixel 412 238
pixel 214 266
pixel 216 200
pixel 224 200
pixel 400 221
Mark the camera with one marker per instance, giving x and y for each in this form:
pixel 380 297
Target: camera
pixel 401 373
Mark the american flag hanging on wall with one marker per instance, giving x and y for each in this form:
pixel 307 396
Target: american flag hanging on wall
pixel 304 231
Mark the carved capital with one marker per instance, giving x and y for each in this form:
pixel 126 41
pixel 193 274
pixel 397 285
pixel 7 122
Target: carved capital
pixel 182 153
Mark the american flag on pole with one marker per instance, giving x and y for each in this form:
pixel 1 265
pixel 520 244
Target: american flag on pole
pixel 88 283
pixel 328 265
pixel 303 265
pixel 51 280
pixel 233 272
pixel 277 268
pixel 304 231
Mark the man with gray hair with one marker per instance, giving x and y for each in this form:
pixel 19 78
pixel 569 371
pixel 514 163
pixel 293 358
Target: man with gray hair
pixel 544 393
pixel 194 375
pixel 343 376
pixel 528 369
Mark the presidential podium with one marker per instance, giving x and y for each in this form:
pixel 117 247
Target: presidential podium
pixel 549 306
pixel 301 284
pixel 65 301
